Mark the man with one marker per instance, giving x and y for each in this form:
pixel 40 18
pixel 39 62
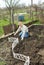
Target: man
pixel 23 30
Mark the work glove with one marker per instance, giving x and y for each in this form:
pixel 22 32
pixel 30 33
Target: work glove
pixel 21 39
pixel 14 34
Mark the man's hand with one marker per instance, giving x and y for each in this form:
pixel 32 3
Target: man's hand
pixel 14 34
pixel 21 39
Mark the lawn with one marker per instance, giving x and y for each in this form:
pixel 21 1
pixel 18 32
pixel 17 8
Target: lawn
pixel 2 63
pixel 5 22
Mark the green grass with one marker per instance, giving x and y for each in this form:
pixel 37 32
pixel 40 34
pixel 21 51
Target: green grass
pixel 5 22
pixel 37 22
pixel 20 11
pixel 1 31
pixel 2 63
pixel 2 24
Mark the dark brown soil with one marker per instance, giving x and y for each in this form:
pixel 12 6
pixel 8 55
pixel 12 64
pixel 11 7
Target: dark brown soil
pixel 31 47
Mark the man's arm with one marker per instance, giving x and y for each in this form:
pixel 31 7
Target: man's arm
pixel 23 35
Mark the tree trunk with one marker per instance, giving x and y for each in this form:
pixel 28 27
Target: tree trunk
pixel 12 19
pixel 31 9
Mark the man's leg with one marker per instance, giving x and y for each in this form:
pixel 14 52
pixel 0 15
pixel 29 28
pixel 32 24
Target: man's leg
pixel 26 35
pixel 20 34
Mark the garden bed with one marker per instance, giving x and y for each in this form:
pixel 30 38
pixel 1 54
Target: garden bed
pixel 30 47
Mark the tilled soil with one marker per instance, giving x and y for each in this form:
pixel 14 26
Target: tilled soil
pixel 32 47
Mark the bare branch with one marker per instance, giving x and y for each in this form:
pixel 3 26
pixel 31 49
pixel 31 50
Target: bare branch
pixel 15 3
pixel 7 2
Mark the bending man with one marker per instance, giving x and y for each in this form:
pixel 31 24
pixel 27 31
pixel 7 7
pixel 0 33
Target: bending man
pixel 23 30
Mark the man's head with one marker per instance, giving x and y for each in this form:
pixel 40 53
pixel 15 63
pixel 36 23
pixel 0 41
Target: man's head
pixel 20 23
